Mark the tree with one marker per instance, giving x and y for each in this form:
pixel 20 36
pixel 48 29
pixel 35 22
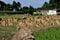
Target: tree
pixel 52 3
pixel 28 10
pixel 56 3
pixel 2 5
pixel 24 10
pixel 9 7
pixel 31 10
pixel 45 5
pixel 14 5
pixel 19 5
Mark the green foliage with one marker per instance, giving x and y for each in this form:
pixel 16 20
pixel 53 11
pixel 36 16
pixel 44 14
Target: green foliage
pixel 7 32
pixel 45 5
pixel 24 10
pixel 6 7
pixel 16 6
pixel 48 34
pixel 2 5
pixel 52 3
pixel 28 10
pixel 31 10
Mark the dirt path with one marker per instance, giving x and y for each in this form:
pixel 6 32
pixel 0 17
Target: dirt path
pixel 23 34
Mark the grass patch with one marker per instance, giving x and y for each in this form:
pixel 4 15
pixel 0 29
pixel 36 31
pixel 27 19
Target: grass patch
pixel 48 34
pixel 6 32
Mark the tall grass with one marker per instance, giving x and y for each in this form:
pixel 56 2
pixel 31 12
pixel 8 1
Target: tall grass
pixel 49 34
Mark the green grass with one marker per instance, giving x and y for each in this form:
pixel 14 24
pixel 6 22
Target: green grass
pixel 48 34
pixel 7 32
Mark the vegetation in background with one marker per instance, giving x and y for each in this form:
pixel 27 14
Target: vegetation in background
pixel 52 3
pixel 11 7
pixel 16 6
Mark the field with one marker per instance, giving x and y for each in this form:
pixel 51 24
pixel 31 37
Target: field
pixel 43 27
pixel 48 34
